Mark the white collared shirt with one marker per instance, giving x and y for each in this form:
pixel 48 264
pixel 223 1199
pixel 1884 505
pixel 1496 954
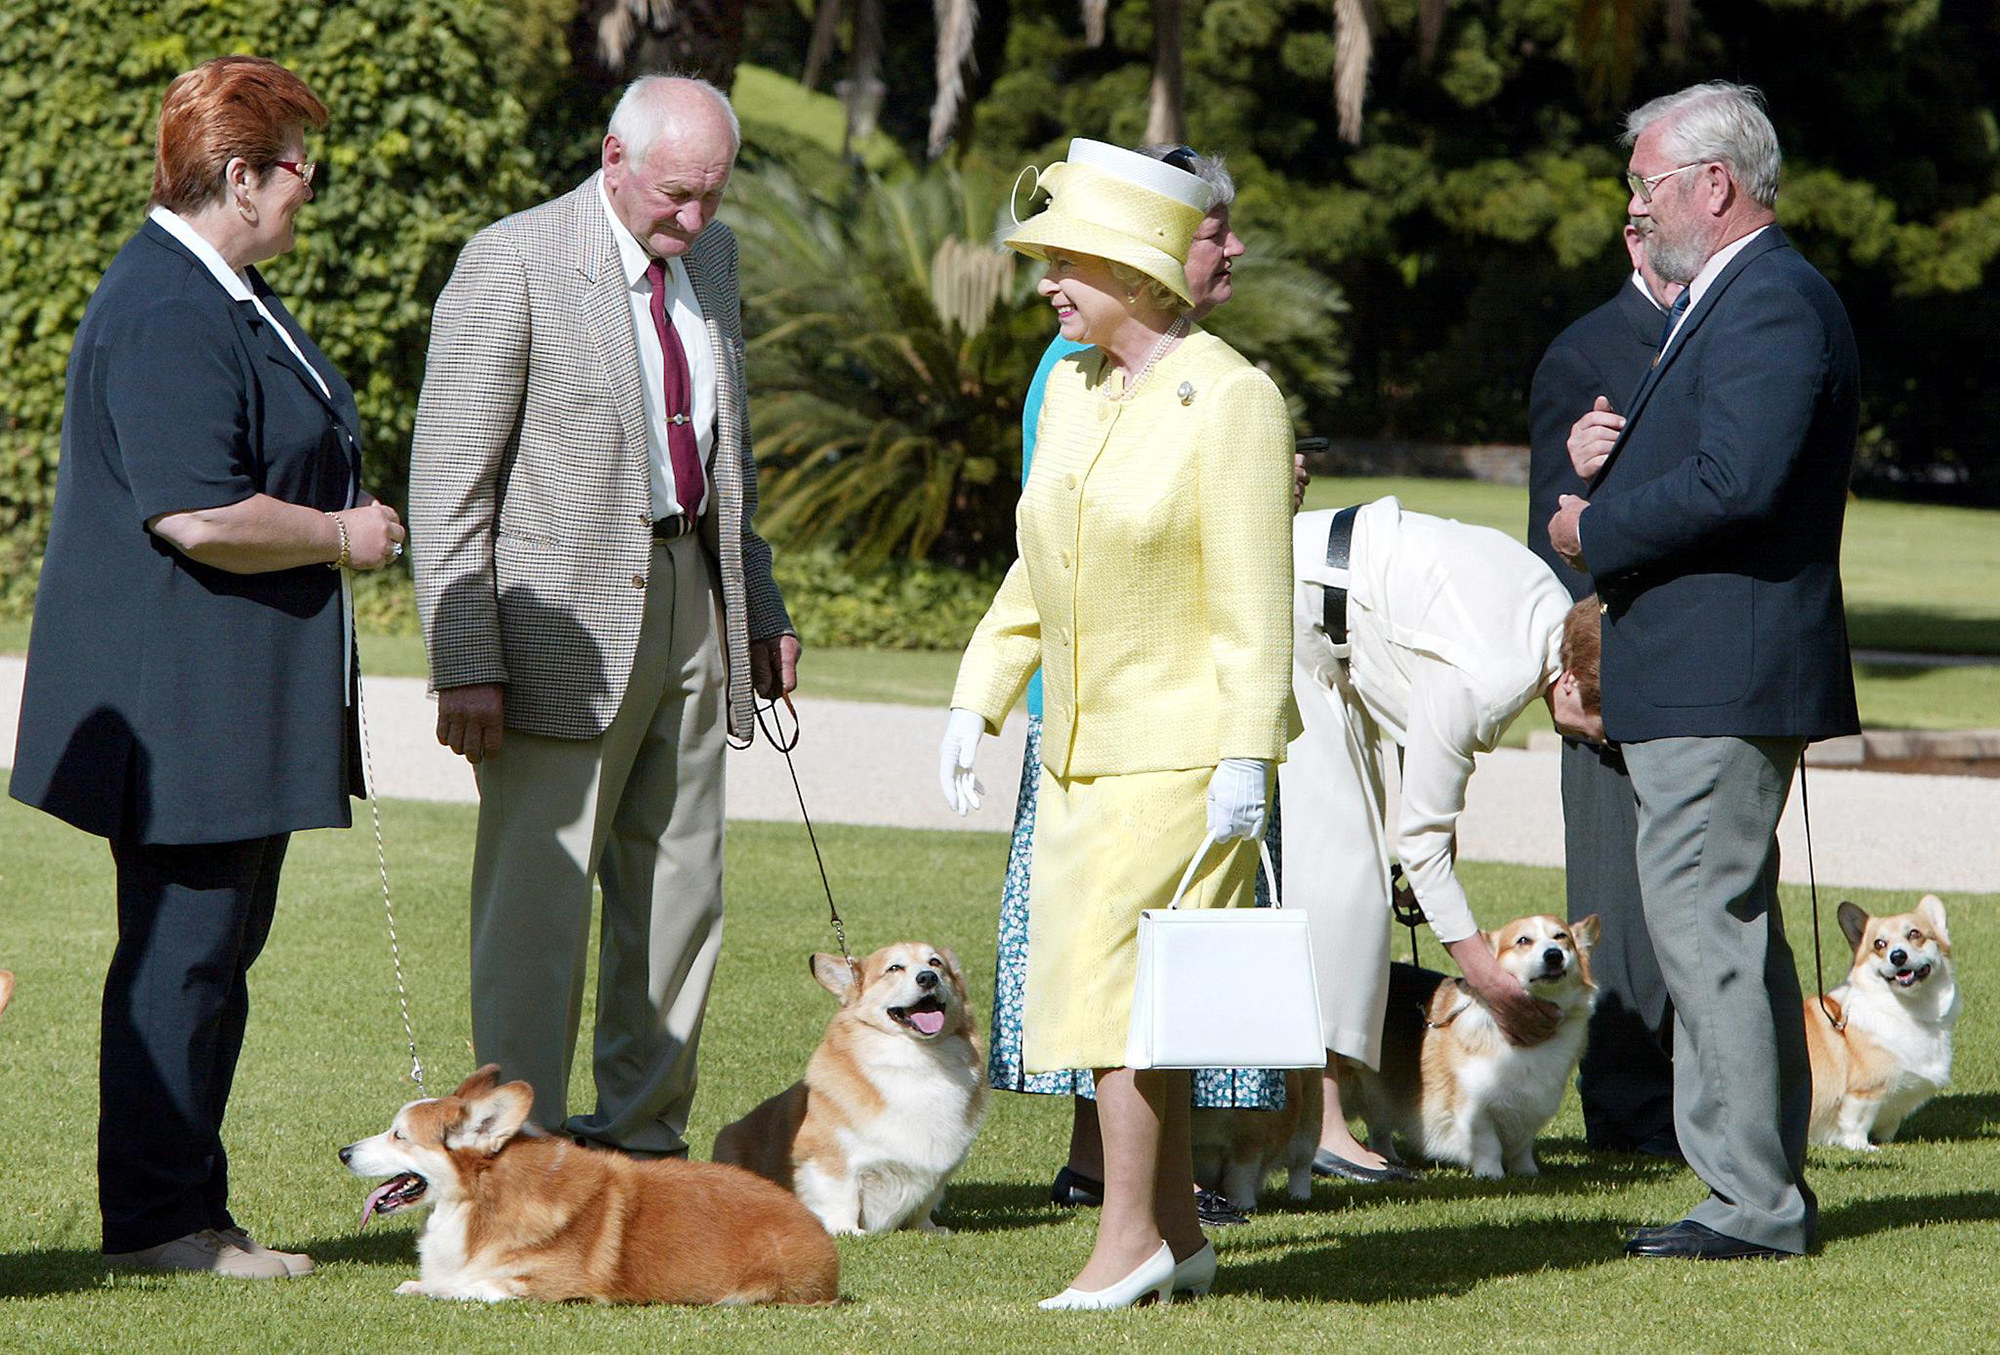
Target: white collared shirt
pixel 684 310
pixel 232 282
pixel 238 288
pixel 1647 292
pixel 1706 277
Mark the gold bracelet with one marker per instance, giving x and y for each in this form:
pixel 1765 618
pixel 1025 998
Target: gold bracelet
pixel 344 559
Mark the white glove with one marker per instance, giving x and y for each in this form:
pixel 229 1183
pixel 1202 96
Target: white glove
pixel 962 790
pixel 1236 795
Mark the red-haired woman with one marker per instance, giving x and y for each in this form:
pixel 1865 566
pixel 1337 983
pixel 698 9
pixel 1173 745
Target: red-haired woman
pixel 190 684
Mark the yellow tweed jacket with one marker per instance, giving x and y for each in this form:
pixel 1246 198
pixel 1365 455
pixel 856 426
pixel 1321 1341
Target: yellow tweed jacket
pixel 1154 582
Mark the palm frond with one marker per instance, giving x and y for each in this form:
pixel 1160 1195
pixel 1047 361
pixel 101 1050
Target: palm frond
pixel 956 22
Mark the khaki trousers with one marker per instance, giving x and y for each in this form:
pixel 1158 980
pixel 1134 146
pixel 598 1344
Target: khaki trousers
pixel 639 809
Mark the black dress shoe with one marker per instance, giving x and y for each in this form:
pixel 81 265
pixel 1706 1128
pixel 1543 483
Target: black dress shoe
pixel 1076 1189
pixel 1691 1241
pixel 1329 1163
pixel 1215 1211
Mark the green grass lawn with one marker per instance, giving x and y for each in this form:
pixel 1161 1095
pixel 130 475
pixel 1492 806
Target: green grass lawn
pixel 1447 1264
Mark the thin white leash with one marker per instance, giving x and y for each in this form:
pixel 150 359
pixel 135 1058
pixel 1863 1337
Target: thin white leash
pixel 382 864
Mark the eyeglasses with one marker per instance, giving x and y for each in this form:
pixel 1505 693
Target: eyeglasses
pixel 307 170
pixel 1183 158
pixel 1644 187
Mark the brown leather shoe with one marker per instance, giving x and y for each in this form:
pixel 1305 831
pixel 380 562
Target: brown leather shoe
pixel 206 1250
pixel 296 1263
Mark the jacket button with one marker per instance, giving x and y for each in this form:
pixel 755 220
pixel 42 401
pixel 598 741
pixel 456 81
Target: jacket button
pixel 645 519
pixel 638 580
pixel 1069 481
pixel 1065 559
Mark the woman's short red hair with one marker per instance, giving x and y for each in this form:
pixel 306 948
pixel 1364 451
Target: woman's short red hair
pixel 231 106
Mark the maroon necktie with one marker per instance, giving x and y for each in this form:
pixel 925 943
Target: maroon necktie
pixel 683 451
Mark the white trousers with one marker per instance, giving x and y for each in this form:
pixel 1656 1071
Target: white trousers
pixel 1336 863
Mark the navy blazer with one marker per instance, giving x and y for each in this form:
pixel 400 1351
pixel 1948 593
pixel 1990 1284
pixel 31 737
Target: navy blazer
pixel 167 701
pixel 1604 353
pixel 1714 527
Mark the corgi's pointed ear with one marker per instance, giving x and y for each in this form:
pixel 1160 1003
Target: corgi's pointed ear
pixel 837 976
pixel 950 957
pixel 1853 921
pixel 1586 931
pixel 1931 910
pixel 480 1083
pixel 493 1118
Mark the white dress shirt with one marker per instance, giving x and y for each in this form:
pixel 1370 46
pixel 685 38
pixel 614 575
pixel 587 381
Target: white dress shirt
pixel 1706 278
pixel 1452 630
pixel 1647 292
pixel 238 288
pixel 684 311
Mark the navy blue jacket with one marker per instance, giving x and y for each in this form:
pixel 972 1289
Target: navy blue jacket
pixel 1714 528
pixel 167 701
pixel 1604 353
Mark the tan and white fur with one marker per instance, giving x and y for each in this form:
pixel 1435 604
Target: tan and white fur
pixel 6 988
pixel 1452 1086
pixel 1235 1151
pixel 1891 1051
pixel 517 1213
pixel 890 1101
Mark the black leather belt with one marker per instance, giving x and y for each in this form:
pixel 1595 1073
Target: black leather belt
pixel 672 528
pixel 1339 537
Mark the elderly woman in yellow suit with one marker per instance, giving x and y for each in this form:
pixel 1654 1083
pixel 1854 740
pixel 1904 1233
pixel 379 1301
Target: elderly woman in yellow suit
pixel 1153 590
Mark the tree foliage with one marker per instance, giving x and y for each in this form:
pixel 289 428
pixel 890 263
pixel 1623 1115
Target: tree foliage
pixel 426 145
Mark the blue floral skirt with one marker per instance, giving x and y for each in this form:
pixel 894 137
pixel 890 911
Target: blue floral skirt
pixel 1214 1088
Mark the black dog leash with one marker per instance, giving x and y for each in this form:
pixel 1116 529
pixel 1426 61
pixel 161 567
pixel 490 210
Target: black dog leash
pixel 1812 881
pixel 785 745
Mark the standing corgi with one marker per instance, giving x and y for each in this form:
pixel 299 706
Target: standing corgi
pixel 1452 1086
pixel 890 1101
pixel 1891 1050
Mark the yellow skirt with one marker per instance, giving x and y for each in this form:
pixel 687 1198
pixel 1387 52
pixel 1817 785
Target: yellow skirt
pixel 1107 847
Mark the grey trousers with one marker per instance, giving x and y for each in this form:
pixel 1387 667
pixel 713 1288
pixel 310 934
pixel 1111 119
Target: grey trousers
pixel 1626 1080
pixel 639 811
pixel 1708 870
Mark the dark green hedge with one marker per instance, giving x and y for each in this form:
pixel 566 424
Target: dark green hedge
pixel 427 144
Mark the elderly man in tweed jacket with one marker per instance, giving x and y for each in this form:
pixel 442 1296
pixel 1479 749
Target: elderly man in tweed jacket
pixel 581 503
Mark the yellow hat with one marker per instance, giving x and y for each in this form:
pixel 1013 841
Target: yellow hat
pixel 1119 205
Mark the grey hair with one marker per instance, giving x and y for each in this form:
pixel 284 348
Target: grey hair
pixel 1145 287
pixel 1717 121
pixel 641 114
pixel 1208 168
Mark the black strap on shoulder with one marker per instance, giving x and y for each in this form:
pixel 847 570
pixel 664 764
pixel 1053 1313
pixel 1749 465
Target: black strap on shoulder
pixel 1339 538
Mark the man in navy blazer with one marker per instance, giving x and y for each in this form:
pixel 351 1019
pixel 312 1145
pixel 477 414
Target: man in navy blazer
pixel 1626 1080
pixel 1713 531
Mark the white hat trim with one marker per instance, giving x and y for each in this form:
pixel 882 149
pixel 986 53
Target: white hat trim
pixel 1154 175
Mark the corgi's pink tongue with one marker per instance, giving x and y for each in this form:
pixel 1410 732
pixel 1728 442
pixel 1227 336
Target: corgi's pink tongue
pixel 930 1023
pixel 376 1197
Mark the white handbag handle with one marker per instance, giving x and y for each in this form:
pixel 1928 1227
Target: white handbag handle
pixel 1263 854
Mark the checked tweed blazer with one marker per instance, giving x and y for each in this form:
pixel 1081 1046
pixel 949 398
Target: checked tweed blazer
pixel 530 504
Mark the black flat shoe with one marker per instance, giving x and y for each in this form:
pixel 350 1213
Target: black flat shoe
pixel 1076 1190
pixel 1329 1163
pixel 1216 1211
pixel 1691 1241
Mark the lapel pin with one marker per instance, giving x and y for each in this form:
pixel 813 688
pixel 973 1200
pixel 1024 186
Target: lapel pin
pixel 1186 392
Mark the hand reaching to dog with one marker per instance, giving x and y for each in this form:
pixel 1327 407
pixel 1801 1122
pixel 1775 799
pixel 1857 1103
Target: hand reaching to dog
pixel 1523 1018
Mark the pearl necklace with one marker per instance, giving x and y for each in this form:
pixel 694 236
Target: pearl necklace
pixel 1166 341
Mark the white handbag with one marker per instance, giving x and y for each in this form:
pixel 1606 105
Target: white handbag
pixel 1225 987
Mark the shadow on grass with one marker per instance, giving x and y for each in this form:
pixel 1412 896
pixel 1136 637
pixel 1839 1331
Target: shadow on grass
pixel 1920 630
pixel 1884 1213
pixel 1419 1263
pixel 71 1270
pixel 37 1274
pixel 997 1206
pixel 1955 1117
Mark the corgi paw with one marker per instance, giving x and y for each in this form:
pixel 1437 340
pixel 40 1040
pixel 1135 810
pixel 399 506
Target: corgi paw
pixel 415 1287
pixel 933 1228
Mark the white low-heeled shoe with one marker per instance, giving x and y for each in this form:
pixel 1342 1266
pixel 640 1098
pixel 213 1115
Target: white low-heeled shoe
pixel 1154 1275
pixel 1196 1275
